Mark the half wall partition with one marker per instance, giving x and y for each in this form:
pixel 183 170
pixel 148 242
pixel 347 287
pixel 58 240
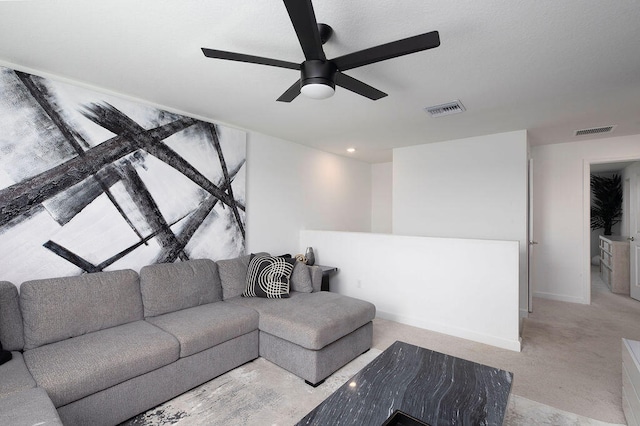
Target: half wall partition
pixel 461 287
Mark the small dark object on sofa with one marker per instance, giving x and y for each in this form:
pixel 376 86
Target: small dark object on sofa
pixel 5 356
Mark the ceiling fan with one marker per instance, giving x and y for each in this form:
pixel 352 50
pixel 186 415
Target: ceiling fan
pixel 319 75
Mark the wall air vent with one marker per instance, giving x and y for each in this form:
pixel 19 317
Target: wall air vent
pixel 454 107
pixel 594 131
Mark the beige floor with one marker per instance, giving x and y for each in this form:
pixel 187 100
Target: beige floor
pixel 571 354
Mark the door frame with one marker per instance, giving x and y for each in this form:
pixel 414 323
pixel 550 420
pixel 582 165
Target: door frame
pixel 634 230
pixel 530 240
pixel 586 217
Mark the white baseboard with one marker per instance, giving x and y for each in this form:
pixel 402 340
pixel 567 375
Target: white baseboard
pixel 558 297
pixel 514 345
pixel 524 313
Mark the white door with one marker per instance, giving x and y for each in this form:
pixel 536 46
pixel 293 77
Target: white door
pixel 634 231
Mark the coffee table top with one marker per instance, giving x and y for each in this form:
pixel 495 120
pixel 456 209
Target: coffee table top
pixel 433 387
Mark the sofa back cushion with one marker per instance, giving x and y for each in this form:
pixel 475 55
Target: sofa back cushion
pixel 170 287
pixel 316 278
pixel 60 308
pixel 301 278
pixel 10 318
pixel 233 275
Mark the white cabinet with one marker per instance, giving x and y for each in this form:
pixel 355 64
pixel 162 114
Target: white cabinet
pixel 614 263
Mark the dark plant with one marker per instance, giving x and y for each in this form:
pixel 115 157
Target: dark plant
pixel 606 206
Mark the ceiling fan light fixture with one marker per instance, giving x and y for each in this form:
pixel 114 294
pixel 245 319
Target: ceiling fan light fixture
pixel 318 90
pixel 317 79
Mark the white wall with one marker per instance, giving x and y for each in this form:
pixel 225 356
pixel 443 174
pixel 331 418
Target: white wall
pixel 561 212
pixel 627 176
pixel 381 197
pixel 465 288
pixel 466 188
pixel 292 187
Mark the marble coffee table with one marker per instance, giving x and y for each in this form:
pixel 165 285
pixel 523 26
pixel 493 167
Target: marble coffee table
pixel 432 387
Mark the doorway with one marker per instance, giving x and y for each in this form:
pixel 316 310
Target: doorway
pixel 592 240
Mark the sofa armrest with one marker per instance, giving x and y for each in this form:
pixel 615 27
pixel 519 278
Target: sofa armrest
pixel 28 407
pixel 11 331
pixel 316 278
pixel 15 376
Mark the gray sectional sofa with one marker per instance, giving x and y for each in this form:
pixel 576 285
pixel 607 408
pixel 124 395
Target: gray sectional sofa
pixel 100 348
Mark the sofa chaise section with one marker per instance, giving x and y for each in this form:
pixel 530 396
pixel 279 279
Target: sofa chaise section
pixel 312 333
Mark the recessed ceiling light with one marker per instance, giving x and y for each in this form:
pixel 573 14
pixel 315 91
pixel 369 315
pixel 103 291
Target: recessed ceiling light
pixel 351 150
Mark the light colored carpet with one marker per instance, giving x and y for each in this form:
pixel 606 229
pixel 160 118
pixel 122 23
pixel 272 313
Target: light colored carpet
pixel 571 354
pixel 568 373
pixel 260 393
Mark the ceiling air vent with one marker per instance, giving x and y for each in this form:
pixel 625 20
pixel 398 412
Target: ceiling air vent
pixel 594 131
pixel 454 107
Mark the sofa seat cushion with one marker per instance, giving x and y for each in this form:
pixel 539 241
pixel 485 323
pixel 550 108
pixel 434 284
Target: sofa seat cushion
pixel 74 368
pixel 206 326
pixel 310 320
pixel 14 376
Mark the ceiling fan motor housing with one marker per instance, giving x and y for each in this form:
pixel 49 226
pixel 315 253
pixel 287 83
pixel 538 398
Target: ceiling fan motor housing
pixel 316 71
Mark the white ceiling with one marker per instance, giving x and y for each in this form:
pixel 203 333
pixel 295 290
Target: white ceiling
pixel 609 167
pixel 548 66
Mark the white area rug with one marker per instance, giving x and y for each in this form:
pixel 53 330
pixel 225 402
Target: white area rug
pixel 260 393
pixel 523 411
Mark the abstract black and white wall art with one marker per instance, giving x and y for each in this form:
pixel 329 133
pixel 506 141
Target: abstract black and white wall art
pixel 90 182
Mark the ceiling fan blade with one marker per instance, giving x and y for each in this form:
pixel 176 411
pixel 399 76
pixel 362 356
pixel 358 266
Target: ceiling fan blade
pixel 291 93
pixel 221 54
pixel 304 22
pixel 388 51
pixel 358 87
